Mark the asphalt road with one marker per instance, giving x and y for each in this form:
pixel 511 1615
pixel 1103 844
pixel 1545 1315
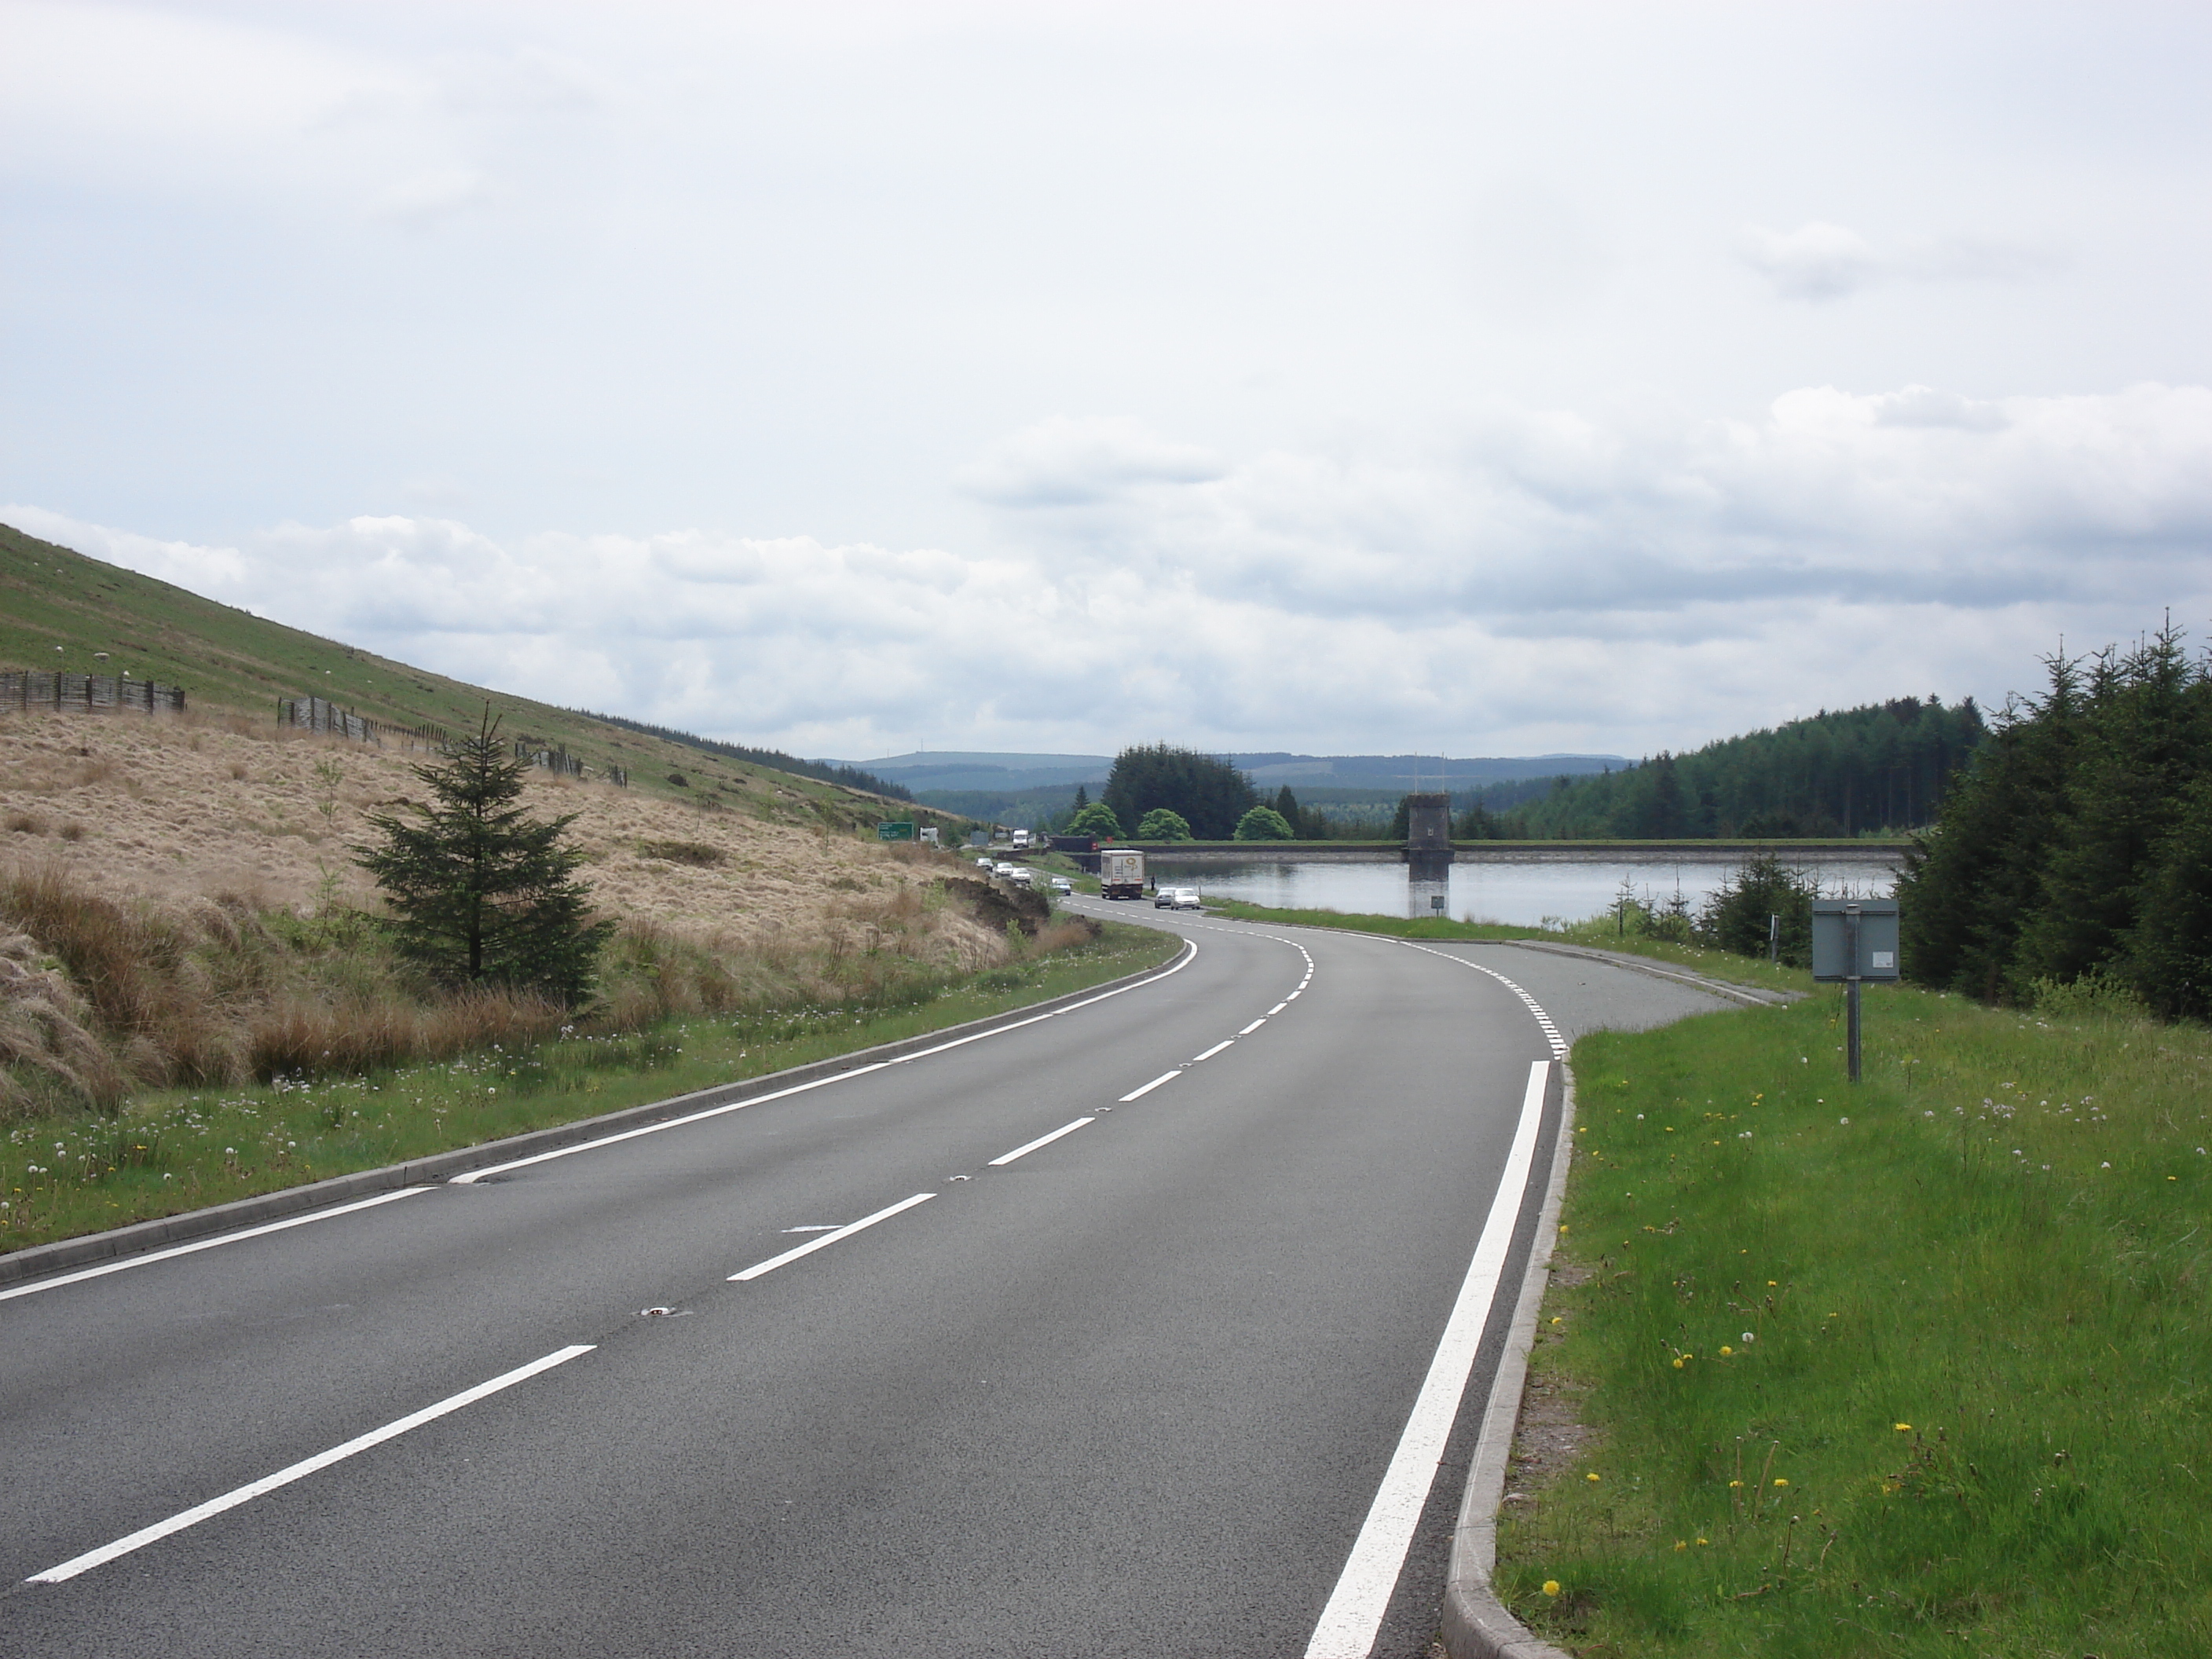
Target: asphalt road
pixel 1131 1392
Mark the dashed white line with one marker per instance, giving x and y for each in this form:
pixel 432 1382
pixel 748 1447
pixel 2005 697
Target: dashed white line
pixel 1277 1008
pixel 1254 1026
pixel 284 1477
pixel 1139 1092
pixel 1214 1050
pixel 475 1175
pixel 1006 1158
pixel 761 1268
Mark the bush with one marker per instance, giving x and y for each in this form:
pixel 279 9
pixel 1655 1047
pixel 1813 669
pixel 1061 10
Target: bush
pixel 1263 824
pixel 1163 824
pixel 1735 917
pixel 1096 819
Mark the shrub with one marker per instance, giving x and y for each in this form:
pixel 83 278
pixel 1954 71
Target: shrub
pixel 1263 824
pixel 1163 824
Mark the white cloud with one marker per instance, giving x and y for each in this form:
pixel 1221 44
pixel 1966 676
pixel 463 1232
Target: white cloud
pixel 1819 261
pixel 1061 462
pixel 1816 261
pixel 1551 581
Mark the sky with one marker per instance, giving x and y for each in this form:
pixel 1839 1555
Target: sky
pixel 1335 379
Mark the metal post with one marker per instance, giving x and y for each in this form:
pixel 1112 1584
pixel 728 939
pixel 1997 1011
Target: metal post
pixel 1851 989
pixel 1773 941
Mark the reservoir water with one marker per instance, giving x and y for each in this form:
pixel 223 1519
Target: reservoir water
pixel 1519 891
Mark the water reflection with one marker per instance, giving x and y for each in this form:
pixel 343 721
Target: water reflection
pixel 1520 892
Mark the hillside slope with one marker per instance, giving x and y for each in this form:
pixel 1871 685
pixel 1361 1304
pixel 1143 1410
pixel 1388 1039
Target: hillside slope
pixel 58 609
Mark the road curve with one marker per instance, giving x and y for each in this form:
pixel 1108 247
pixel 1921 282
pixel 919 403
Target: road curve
pixel 1098 1336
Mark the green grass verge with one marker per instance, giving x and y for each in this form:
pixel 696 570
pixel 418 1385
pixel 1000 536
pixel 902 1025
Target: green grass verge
pixel 1395 927
pixel 183 1149
pixel 1916 1367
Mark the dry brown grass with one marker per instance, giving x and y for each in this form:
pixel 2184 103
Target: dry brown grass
pixel 206 921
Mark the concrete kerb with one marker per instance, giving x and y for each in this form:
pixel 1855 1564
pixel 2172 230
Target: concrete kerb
pixel 65 1254
pixel 1476 1624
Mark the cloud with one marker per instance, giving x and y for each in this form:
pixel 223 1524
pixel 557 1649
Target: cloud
pixel 1549 581
pixel 1819 261
pixel 1816 261
pixel 1064 462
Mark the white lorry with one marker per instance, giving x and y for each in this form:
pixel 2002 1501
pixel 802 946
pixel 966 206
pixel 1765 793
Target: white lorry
pixel 1122 872
pixel 1020 840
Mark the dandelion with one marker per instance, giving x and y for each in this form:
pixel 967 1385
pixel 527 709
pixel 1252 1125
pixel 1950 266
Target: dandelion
pixel 1844 1121
pixel 1779 1481
pixel 1678 1362
pixel 1726 1351
pixel 1705 1541
pixel 1732 1485
pixel 1591 1477
pixel 1903 1428
pixel 1551 1586
pixel 1750 1336
pixel 1681 1543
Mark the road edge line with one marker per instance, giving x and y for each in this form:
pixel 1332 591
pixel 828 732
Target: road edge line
pixel 36 1260
pixel 1476 1624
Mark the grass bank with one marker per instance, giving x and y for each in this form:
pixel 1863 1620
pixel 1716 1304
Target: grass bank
pixel 1394 926
pixel 176 1149
pixel 1916 1367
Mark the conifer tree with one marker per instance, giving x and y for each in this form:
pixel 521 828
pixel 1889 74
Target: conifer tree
pixel 482 894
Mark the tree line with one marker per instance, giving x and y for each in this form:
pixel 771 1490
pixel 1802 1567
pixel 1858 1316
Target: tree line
pixel 2077 850
pixel 1836 773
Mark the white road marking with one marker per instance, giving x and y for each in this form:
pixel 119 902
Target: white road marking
pixel 1277 1009
pixel 284 1477
pixel 1254 1026
pixel 1042 1141
pixel 759 1268
pixel 814 1227
pixel 1352 1618
pixel 116 1266
pixel 475 1175
pixel 1214 1050
pixel 1139 1093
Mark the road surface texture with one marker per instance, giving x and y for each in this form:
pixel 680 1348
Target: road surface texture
pixel 1149 1303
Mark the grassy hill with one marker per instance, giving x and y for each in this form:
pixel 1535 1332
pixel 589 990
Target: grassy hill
pixel 58 609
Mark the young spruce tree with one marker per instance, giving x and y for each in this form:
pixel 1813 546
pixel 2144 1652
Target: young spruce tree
pixel 483 894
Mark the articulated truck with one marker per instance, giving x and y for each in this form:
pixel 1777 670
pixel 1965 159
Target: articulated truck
pixel 1122 872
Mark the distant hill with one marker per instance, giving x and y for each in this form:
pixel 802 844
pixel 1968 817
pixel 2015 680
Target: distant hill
pixel 966 770
pixel 60 610
pixel 1369 776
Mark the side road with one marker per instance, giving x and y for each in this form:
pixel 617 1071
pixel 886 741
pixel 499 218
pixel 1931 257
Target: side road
pixel 67 1253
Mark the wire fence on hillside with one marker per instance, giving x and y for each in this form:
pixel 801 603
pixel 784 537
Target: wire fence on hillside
pixel 86 693
pixel 321 714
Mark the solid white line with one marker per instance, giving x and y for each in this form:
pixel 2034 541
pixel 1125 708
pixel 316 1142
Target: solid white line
pixel 1254 1026
pixel 116 1266
pixel 1139 1093
pixel 1042 1141
pixel 284 1477
pixel 475 1175
pixel 823 1243
pixel 1352 1618
pixel 1214 1050
pixel 1277 1009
